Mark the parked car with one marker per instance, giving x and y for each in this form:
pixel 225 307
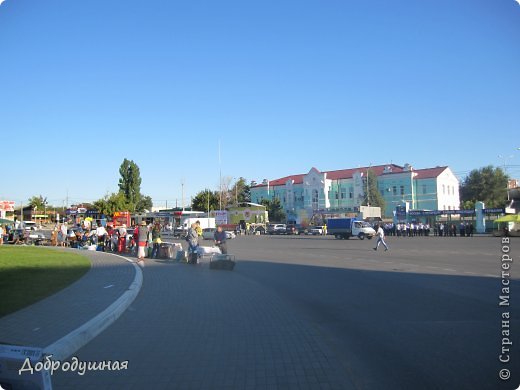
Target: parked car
pixel 276 228
pixel 291 229
pixel 208 233
pixel 315 230
pixel 230 235
pixel 295 229
pixel 30 225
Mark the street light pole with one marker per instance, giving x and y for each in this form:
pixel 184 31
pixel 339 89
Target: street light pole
pixel 182 193
pixel 368 191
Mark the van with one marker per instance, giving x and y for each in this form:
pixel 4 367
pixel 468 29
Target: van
pixel 29 225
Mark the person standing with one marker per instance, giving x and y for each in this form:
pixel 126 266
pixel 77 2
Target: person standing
pixel 63 230
pixel 142 241
pixel 198 228
pixel 380 238
pixel 220 240
pixel 121 244
pixel 156 239
pixel 193 242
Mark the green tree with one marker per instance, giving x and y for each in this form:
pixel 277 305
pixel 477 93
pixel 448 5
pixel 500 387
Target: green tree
pixel 130 182
pixel 487 184
pixel 374 198
pixel 200 201
pixel 274 209
pixel 240 191
pixel 144 203
pixel 110 204
pixel 38 202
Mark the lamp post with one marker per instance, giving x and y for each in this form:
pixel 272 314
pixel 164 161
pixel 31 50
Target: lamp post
pixel 505 158
pixel 182 194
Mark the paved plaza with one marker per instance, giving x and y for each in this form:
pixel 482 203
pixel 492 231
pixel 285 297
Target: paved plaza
pixel 306 313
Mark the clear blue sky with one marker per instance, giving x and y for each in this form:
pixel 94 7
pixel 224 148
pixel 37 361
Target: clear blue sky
pixel 284 85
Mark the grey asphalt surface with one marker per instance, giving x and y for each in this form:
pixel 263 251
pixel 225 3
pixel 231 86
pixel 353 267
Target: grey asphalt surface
pixel 314 312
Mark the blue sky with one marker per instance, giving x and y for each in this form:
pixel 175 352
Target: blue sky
pixel 284 86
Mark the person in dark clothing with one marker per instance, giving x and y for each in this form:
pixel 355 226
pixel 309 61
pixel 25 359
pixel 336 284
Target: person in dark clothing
pixel 220 240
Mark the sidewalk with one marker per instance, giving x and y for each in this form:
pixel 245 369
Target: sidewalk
pixel 69 319
pixel 194 328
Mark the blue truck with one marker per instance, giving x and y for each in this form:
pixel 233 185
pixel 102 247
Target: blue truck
pixel 349 227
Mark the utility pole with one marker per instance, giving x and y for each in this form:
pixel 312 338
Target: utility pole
pixel 368 192
pixel 220 178
pixel 182 200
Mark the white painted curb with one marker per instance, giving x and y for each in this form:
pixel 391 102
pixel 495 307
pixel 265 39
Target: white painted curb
pixel 69 344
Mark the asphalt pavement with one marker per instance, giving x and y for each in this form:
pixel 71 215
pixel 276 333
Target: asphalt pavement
pixel 315 312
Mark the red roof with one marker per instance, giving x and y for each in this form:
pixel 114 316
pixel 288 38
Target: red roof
pixel 298 179
pixel 429 173
pixel 349 173
pixel 334 175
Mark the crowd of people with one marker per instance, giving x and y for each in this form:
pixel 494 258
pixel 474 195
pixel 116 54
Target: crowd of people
pixel 142 240
pixel 419 229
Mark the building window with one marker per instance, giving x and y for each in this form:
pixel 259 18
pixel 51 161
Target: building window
pixel 314 199
pixel 343 193
pixel 443 189
pixel 351 193
pixel 424 189
pixel 402 190
pixel 394 190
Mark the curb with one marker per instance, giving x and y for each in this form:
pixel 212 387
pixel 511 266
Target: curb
pixel 69 344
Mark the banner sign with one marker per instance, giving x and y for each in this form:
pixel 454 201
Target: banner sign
pixel 221 217
pixel 461 212
pixel 6 205
pixel 419 213
pixel 162 214
pixel 494 211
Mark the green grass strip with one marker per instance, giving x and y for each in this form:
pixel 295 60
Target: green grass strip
pixel 29 274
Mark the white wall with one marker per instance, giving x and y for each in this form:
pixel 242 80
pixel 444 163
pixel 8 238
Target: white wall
pixel 448 191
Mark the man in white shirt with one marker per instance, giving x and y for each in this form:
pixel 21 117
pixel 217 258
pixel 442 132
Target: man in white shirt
pixel 101 233
pixel 380 238
pixel 63 230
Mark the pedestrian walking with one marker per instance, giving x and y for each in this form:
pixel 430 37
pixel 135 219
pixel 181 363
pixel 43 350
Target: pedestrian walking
pixel 380 238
